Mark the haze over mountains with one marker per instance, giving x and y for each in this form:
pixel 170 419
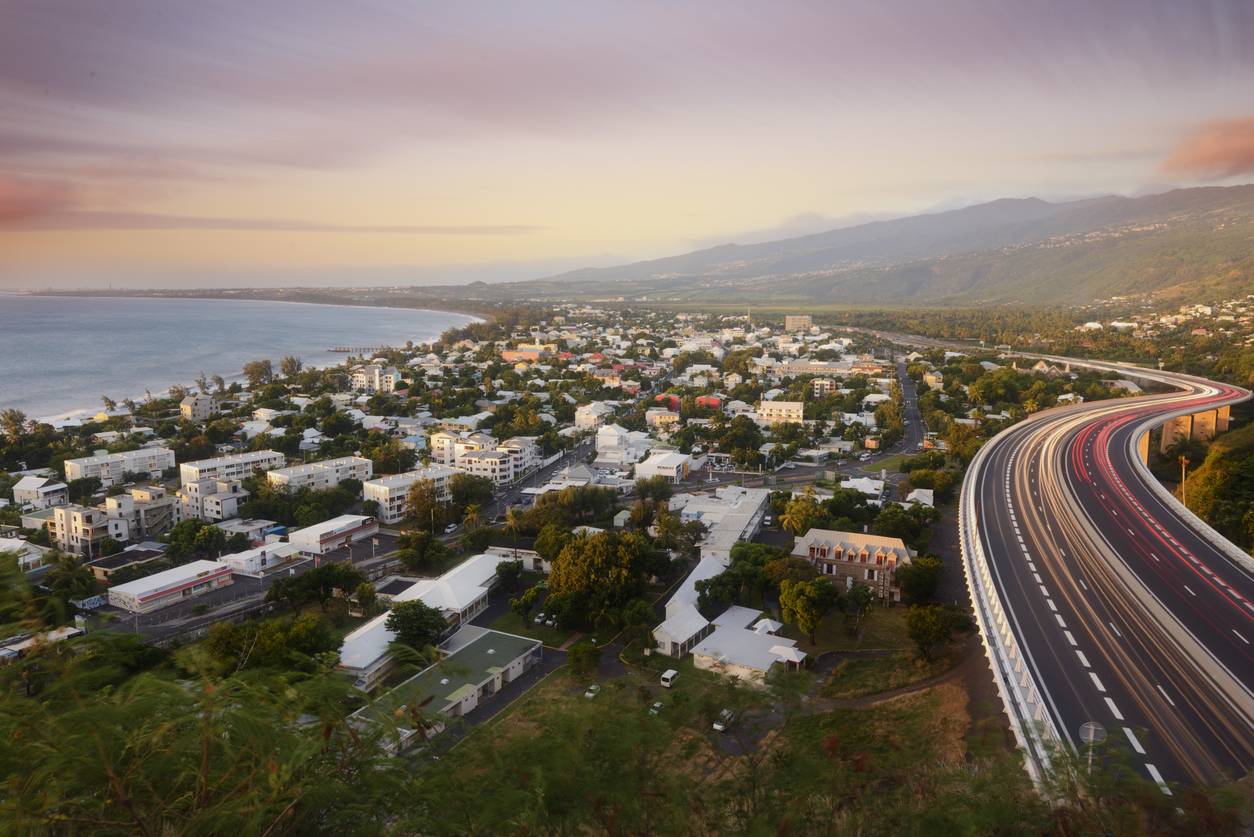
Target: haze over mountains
pixel 1195 241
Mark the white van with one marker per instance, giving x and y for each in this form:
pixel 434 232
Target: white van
pixel 668 677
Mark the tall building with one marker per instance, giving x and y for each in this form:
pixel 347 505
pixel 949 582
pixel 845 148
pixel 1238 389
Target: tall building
pixel 391 491
pixel 321 475
pixel 237 466
pixel 112 467
pixel 798 322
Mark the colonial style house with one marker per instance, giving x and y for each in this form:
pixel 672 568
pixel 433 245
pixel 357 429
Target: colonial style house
pixel 854 558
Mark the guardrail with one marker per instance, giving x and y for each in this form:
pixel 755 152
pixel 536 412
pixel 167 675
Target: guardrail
pixel 1030 722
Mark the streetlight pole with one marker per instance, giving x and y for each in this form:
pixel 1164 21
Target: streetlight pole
pixel 1184 464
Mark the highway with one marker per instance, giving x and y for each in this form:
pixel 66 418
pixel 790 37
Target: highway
pixel 1118 606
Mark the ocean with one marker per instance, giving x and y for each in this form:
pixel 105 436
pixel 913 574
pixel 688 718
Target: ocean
pixel 59 355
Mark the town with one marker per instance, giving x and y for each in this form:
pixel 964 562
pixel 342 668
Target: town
pixel 701 508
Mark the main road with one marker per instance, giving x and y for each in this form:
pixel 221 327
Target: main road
pixel 1102 599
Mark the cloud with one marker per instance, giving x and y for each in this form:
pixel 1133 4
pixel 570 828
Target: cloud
pixel 1218 149
pixel 49 216
pixel 23 199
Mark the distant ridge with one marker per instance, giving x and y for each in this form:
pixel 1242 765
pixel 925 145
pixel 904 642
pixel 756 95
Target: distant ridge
pixel 1194 241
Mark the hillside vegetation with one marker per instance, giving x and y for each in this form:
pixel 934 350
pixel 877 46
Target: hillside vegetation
pixel 1221 489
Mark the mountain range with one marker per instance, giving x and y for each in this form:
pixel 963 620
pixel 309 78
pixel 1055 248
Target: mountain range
pixel 1191 243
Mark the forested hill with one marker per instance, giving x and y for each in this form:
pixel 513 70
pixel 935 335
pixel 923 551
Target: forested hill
pixel 1188 242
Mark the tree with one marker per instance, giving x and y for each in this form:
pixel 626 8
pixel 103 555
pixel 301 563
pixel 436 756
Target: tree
pixel 524 604
pixel 509 573
pixel 290 366
pixel 470 489
pixel 108 546
pixel 513 525
pixel 596 575
pixel 583 658
pixel 856 604
pixel 13 423
pixel 367 597
pixel 417 624
pixel 658 489
pixel 68 578
pixel 388 455
pixel 805 603
pixel 421 551
pixel 423 505
pixel 788 567
pixel 934 625
pixel 919 578
pixel 258 372
pixel 801 514
pixel 550 541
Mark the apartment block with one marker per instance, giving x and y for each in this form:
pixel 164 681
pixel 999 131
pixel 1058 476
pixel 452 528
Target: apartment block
pixel 211 499
pixel 321 475
pixel 391 491
pixel 198 407
pixel 798 322
pixel 234 467
pixel 778 412
pixel 374 377
pixel 80 529
pixel 111 467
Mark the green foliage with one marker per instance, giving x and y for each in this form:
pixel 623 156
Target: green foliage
pixel 1221 488
pixel 919 578
pixel 420 551
pixel 654 489
pixel 417 624
pixel 194 539
pixel 305 506
pixel 318 584
pixel 933 626
pixel 595 576
pixel 288 644
pixel 583 657
pixel 805 603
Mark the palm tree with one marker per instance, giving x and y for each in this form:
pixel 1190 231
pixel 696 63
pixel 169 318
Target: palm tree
pixel 13 423
pixel 513 523
pixel 473 517
pixel 69 578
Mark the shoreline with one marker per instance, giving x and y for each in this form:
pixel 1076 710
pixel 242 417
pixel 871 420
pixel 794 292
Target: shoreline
pixel 87 411
pixel 480 313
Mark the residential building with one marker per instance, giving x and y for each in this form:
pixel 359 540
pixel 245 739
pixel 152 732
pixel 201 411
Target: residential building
pixel 391 491
pixel 29 556
pixel 618 446
pixel 822 387
pixel 780 412
pixel 934 379
pixel 496 465
pixel 447 446
pixel 374 377
pixel 255 529
pixel 163 589
pixel 661 418
pixel 856 558
pixel 149 511
pixel 333 534
pixel 211 499
pixel 40 492
pixel 591 416
pixel 110 468
pixel 525 453
pixel 321 475
pixel 80 529
pixel 798 322
pixel 233 467
pixel 198 407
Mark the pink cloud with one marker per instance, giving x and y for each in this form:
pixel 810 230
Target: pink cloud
pixel 1218 149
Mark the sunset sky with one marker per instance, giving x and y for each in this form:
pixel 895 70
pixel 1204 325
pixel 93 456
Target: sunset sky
pixel 218 143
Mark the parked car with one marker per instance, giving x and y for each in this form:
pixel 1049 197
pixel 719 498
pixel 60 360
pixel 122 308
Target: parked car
pixel 449 529
pixel 724 720
pixel 593 691
pixel 656 707
pixel 668 677
pixel 539 620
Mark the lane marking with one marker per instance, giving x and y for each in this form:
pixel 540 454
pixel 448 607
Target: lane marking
pixel 1098 683
pixel 1243 639
pixel 1084 661
pixel 1082 584
pixel 1061 623
pixel 1158 779
pixel 1136 745
pixel 1051 604
pixel 1070 638
pixel 1116 630
pixel 1114 710
pixel 1166 696
pixel 1189 590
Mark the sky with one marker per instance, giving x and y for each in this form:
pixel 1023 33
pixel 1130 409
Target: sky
pixel 177 142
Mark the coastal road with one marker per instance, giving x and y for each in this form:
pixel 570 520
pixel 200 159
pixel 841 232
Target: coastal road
pixel 1128 611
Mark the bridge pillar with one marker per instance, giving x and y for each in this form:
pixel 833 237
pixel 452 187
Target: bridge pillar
pixel 1204 426
pixel 1174 430
pixel 1223 417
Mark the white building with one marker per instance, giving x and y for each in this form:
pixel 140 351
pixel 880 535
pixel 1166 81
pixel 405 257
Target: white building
pixel 80 529
pixel 332 534
pixel 448 446
pixel 618 446
pixel 391 491
pixel 496 465
pixel 672 465
pixel 735 649
pixel 461 594
pixel 110 467
pixel 29 555
pixel 174 585
pixel 321 475
pixel 592 416
pixel 236 466
pixel 259 560
pixel 210 499
pixel 780 412
pixel 197 407
pixel 374 377
pixel 40 492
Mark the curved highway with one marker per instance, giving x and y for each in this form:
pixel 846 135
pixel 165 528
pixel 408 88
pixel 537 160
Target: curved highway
pixel 1107 600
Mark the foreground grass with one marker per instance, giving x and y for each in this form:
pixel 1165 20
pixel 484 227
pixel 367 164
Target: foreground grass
pixel 860 677
pixel 884 628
